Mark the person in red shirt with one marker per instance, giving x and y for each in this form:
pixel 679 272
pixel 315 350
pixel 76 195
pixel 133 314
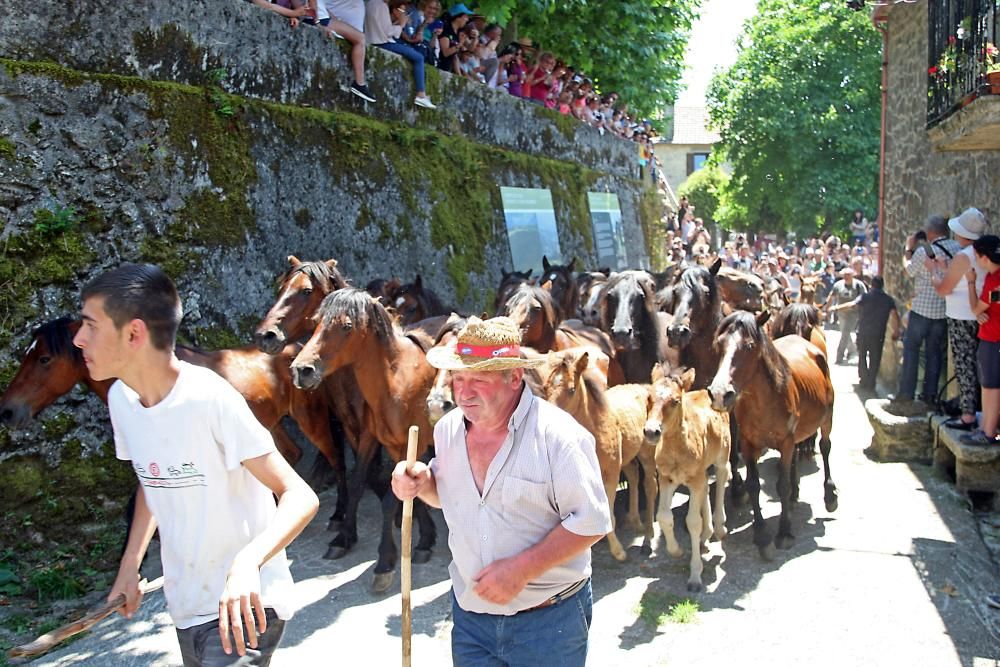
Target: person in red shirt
pixel 986 307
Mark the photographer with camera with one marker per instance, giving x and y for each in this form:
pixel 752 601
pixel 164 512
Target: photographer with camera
pixel 928 326
pixel 985 304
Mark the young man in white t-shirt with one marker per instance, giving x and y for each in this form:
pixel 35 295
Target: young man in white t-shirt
pixel 207 470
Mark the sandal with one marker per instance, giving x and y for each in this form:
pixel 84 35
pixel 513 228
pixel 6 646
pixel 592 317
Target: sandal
pixel 980 438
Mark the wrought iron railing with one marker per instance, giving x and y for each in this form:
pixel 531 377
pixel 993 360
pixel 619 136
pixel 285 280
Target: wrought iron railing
pixel 962 42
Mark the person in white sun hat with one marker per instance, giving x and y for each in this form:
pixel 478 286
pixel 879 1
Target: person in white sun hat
pixel 520 487
pixel 962 325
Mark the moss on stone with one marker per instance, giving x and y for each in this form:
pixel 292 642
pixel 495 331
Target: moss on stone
pixel 8 151
pixel 216 338
pixel 650 210
pixel 169 48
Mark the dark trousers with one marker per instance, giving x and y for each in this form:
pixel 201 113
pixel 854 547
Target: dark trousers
pixel 931 335
pixel 869 358
pixel 202 647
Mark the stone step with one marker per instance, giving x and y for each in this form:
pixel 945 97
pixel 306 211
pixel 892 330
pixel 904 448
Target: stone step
pixel 975 467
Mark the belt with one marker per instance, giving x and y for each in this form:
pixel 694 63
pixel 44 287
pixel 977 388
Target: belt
pixel 559 597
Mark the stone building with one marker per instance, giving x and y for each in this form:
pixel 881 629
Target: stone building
pixel 689 145
pixel 942 137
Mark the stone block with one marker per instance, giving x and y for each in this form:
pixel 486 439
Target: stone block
pixel 899 434
pixel 975 467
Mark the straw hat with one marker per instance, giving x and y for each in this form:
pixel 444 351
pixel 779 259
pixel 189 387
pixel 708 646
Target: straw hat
pixel 969 225
pixel 483 345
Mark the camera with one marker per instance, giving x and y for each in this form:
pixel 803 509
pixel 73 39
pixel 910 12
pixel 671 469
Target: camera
pixel 995 296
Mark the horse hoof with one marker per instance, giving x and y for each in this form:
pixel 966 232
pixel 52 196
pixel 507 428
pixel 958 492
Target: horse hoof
pixel 784 541
pixel 695 587
pixel 831 504
pixel 421 555
pixel 766 552
pixel 382 581
pixel 335 552
pixel 646 550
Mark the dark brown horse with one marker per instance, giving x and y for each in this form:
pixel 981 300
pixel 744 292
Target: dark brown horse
pixel 52 365
pixel 509 282
pixel 354 332
pixel 384 288
pixel 740 290
pixel 558 280
pixel 628 313
pixel 800 319
pixel 588 287
pixel 780 392
pixel 534 311
pixel 414 302
pixel 697 311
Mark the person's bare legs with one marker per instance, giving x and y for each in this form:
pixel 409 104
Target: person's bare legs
pixel 278 9
pixel 991 411
pixel 357 42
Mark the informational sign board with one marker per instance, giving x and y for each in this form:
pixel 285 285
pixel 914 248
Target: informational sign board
pixel 609 234
pixel 531 227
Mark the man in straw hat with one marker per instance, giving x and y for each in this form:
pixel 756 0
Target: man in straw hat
pixel 521 491
pixel 846 290
pixel 963 328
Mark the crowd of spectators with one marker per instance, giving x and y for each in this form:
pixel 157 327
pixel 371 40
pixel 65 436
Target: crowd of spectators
pixel 463 43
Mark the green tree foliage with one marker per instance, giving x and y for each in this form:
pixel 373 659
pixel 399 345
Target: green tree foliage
pixel 703 188
pixel 632 47
pixel 799 117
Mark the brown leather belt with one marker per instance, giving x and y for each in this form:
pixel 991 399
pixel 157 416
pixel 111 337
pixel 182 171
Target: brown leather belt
pixel 558 597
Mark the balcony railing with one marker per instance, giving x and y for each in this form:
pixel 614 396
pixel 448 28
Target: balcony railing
pixel 962 39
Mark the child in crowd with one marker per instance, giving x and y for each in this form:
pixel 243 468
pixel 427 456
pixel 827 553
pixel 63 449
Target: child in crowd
pixel 222 538
pixel 346 18
pixel 985 306
pixel 516 71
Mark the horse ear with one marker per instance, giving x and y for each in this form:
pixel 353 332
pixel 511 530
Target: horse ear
pixel 763 317
pixel 582 363
pixel 572 264
pixel 687 379
pixel 530 271
pixel 545 263
pixel 419 282
pixel 293 260
pixel 716 265
pixel 484 316
pixel 332 263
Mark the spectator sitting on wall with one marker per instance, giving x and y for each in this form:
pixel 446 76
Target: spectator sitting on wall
pixel 448 41
pixel 431 30
pixel 515 70
pixel 986 306
pixel 486 52
pixel 346 18
pixel 500 80
pixel 963 328
pixel 283 9
pixel 468 65
pixel 383 24
pixel 539 78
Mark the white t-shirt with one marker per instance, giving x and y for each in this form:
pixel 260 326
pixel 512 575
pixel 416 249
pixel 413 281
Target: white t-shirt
pixel 351 12
pixel 187 451
pixel 956 304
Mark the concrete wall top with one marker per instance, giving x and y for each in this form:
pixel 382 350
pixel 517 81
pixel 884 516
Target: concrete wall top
pixel 262 57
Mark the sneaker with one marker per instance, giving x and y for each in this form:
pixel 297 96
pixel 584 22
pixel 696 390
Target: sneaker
pixel 959 425
pixel 424 102
pixel 993 601
pixel 362 91
pixel 979 438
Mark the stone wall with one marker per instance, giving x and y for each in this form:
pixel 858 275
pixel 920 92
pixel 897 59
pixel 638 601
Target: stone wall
pixel 921 180
pixel 211 139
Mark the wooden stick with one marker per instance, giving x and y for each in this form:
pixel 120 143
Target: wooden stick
pixel 406 539
pixel 50 640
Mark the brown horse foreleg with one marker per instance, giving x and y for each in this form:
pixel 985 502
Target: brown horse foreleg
pixel 737 490
pixel 829 488
pixel 785 538
pixel 388 552
pixel 285 445
pixel 316 425
pixel 647 457
pixel 347 537
pixel 761 536
pixel 698 491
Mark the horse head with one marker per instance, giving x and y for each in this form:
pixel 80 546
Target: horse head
pixel 663 409
pixel 509 282
pixel 345 320
pixel 301 290
pixel 51 366
pixel 589 286
pixel 563 285
pixel 533 311
pixel 796 319
pixel 414 302
pixel 741 343
pixel 565 383
pixel 625 302
pixel 696 305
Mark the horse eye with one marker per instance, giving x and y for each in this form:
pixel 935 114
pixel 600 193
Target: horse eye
pixel 44 360
pixel 307 291
pixel 347 326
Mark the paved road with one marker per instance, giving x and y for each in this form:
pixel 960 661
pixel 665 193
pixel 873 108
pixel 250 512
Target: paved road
pixel 896 576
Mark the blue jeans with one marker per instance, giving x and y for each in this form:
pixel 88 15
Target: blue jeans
pixel 931 334
pixel 413 56
pixel 202 647
pixel 553 636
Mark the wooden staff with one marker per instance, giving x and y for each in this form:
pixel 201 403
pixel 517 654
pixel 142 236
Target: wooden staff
pixel 406 530
pixel 50 640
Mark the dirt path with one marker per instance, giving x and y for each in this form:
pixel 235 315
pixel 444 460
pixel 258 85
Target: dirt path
pixel 895 577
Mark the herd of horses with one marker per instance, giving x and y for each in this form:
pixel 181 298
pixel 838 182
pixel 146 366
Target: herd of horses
pixel 676 375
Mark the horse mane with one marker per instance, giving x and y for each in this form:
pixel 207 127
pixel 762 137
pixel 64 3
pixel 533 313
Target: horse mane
pixel 427 298
pixel 597 393
pixel 795 319
pixel 362 309
pixel 744 324
pixel 56 336
pixel 452 326
pixel 319 273
pixel 526 292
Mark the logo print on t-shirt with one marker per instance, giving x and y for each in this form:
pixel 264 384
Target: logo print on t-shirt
pixel 155 469
pixel 181 475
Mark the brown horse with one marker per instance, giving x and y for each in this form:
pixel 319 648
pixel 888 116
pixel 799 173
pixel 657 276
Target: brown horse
pixel 384 288
pixel 697 311
pixel 689 437
pixel 800 319
pixel 638 330
pixel 616 418
pixel 807 293
pixel 588 287
pixel 508 283
pixel 562 285
pixel 534 311
pixel 414 302
pixel 781 394
pixel 740 290
pixel 52 365
pixel 355 332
